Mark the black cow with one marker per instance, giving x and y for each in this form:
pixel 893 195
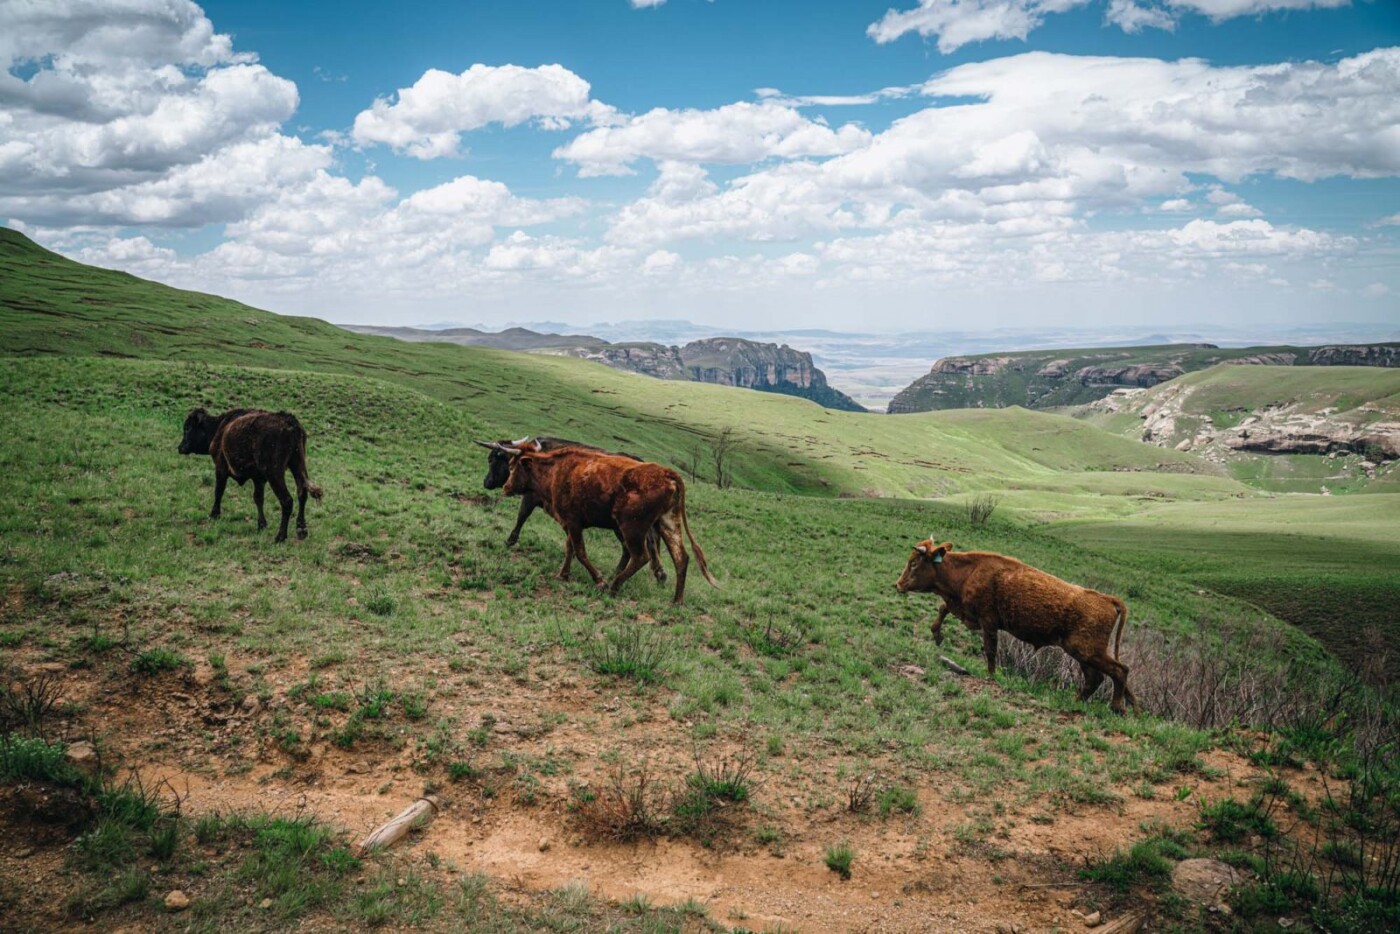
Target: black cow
pixel 257 445
pixel 498 461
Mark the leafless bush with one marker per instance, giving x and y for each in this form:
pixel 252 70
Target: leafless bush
pixel 629 807
pixel 29 700
pixel 861 792
pixel 1219 674
pixel 723 446
pixel 981 507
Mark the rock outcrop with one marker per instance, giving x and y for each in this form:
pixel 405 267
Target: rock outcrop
pixel 1042 379
pixel 649 359
pixel 1355 355
pixel 1142 375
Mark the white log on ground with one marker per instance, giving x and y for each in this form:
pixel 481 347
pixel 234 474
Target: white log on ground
pixel 954 667
pixel 416 814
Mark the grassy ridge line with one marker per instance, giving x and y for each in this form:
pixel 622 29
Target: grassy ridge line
pixel 52 306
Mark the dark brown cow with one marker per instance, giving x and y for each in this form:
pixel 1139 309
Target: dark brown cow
pixel 253 444
pixel 498 468
pixel 991 592
pixel 584 490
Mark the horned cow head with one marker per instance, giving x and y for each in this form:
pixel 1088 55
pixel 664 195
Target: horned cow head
pixel 924 566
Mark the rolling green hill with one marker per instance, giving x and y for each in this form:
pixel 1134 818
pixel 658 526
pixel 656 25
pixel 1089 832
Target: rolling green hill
pixel 50 306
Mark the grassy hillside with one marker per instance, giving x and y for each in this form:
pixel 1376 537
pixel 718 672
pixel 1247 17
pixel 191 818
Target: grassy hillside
pixel 402 650
pixel 1330 566
pixel 52 306
pixel 1045 379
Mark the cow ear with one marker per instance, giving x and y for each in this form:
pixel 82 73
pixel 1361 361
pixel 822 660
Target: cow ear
pixel 940 551
pixel 921 548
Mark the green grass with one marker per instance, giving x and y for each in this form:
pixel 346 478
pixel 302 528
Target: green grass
pixel 1330 566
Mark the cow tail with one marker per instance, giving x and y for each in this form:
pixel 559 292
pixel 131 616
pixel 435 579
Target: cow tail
pixel 299 459
pixel 695 546
pixel 1122 620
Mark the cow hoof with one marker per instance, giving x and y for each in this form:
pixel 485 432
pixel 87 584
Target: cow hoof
pixel 279 539
pixel 261 526
pixel 510 542
pixel 301 534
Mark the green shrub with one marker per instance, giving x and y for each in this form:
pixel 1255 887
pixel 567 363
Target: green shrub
pixel 839 858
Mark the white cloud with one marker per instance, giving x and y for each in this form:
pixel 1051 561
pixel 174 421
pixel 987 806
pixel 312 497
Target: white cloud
pixel 959 22
pixel 428 119
pixel 1176 206
pixel 1377 290
pixel 643 4
pixel 120 97
pixel 1050 136
pixel 1136 15
pixel 734 134
pixel 1392 220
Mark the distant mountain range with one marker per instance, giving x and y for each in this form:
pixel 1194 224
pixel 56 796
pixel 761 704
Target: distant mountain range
pixel 726 361
pixel 873 368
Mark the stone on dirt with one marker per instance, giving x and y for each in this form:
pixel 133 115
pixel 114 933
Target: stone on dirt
pixel 82 755
pixel 1206 882
pixel 177 901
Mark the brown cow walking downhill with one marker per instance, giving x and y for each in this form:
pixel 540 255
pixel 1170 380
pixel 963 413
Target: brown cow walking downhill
pixel 991 592
pixel 498 469
pixel 253 444
pixel 585 489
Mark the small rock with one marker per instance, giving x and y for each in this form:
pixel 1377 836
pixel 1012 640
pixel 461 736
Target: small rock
pixel 24 852
pixel 1285 922
pixel 177 901
pixel 251 704
pixel 1093 920
pixel 874 894
pixel 82 755
pixel 544 844
pixel 265 904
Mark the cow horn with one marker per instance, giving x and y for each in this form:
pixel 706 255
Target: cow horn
pixel 485 444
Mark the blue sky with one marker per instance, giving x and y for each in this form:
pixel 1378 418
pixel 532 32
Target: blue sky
pixel 892 166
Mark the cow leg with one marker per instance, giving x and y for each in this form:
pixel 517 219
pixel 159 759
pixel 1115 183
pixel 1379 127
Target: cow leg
pixel 989 648
pixel 220 481
pixel 302 491
pixel 528 502
pixel 1092 679
pixel 622 560
pixel 654 552
pixel 636 544
pixel 279 488
pixel 568 556
pixel 1117 671
pixel 581 552
pixel 671 534
pixel 937 626
pixel 258 486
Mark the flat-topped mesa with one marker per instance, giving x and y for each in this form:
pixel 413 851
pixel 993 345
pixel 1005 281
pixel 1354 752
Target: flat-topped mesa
pixel 733 361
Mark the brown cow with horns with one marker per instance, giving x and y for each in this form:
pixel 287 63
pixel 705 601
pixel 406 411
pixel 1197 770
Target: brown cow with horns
pixel 585 489
pixel 991 592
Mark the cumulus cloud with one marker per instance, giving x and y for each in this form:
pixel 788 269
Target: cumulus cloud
pixel 733 134
pixel 136 111
pixel 643 4
pixel 1051 136
pixel 956 23
pixel 428 119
